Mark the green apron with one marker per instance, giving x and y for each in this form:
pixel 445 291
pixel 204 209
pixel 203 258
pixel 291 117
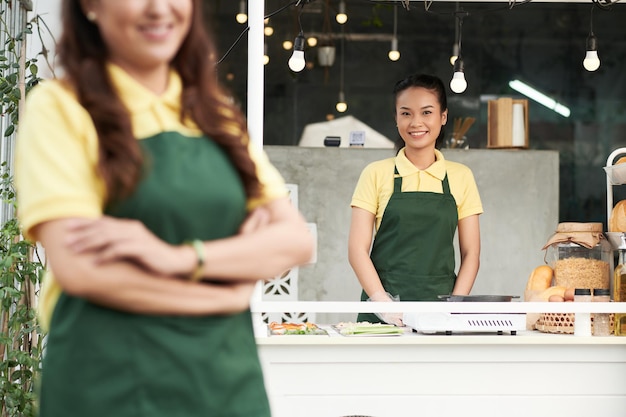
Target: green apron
pixel 101 362
pixel 413 251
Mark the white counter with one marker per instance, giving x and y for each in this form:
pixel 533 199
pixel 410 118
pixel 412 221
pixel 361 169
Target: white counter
pixel 530 374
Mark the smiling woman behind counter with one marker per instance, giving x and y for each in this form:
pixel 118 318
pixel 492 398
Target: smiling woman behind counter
pixel 415 201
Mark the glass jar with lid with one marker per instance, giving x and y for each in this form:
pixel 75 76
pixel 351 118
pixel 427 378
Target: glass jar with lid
pixel 580 256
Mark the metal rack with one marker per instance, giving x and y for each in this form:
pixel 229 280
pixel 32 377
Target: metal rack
pixel 614 176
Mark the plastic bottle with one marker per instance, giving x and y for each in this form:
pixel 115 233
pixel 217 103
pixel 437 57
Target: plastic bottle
pixel 601 321
pixel 582 321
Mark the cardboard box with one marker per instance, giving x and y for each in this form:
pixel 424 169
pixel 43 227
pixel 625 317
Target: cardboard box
pixel 500 123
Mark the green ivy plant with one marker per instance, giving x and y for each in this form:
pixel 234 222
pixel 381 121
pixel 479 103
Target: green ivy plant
pixel 21 339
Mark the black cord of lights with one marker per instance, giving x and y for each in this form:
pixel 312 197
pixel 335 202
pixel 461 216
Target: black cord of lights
pixel 429 3
pixel 274 13
pixel 604 4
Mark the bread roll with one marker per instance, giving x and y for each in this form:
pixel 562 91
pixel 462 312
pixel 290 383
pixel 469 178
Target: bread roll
pixel 540 278
pixel 547 293
pixel 617 222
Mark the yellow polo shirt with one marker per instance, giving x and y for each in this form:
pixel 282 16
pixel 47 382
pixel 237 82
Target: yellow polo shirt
pixel 56 173
pixel 375 185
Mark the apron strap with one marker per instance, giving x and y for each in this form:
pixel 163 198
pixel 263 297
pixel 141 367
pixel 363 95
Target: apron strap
pixel 445 185
pixel 397 180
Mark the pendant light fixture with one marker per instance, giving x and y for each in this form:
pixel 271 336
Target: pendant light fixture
pixel 455 53
pixel 297 62
pixel 455 45
pixel 458 84
pixel 341 17
pixel 341 105
pixel 326 50
pixel 268 30
pixel 591 61
pixel 242 16
pixel 394 53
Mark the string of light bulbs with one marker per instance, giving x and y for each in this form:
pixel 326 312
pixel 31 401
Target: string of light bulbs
pixel 458 84
pixel 242 11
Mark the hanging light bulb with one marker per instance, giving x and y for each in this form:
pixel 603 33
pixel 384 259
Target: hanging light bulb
pixel 268 30
pixel 458 22
pixel 394 54
pixel 311 41
pixel 297 62
pixel 287 45
pixel 458 83
pixel 341 16
pixel 455 53
pixel 242 17
pixel 591 61
pixel 341 105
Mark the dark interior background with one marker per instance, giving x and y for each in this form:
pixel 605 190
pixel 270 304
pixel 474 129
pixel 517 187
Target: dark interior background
pixel 542 44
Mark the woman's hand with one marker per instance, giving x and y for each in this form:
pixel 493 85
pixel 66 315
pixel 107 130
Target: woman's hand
pixel 112 239
pixel 257 219
pixel 241 292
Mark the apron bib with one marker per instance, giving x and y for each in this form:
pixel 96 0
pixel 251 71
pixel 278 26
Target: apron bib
pixel 413 251
pixel 103 363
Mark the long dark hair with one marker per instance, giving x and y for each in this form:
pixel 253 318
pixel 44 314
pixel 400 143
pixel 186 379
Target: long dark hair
pixel 83 55
pixel 431 83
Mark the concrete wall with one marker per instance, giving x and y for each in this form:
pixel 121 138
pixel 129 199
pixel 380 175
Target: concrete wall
pixel 519 191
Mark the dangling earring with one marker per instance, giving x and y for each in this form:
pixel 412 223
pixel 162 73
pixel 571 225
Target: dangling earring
pixel 91 16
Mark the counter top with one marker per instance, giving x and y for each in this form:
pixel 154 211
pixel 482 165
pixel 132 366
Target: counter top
pixel 411 337
pixel 437 306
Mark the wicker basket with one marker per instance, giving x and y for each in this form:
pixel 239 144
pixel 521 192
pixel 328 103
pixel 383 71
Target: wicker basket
pixel 563 323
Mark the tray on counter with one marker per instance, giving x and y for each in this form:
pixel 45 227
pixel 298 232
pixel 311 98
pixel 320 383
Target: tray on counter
pixel 295 329
pixel 366 329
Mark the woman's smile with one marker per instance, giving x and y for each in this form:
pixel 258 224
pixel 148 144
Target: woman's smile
pixel 419 118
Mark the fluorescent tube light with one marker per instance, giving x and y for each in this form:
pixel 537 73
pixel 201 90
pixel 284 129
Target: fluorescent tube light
pixel 539 97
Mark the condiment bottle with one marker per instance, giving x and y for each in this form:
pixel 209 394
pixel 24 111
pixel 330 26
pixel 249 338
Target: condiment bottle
pixel 619 290
pixel 582 321
pixel 601 321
